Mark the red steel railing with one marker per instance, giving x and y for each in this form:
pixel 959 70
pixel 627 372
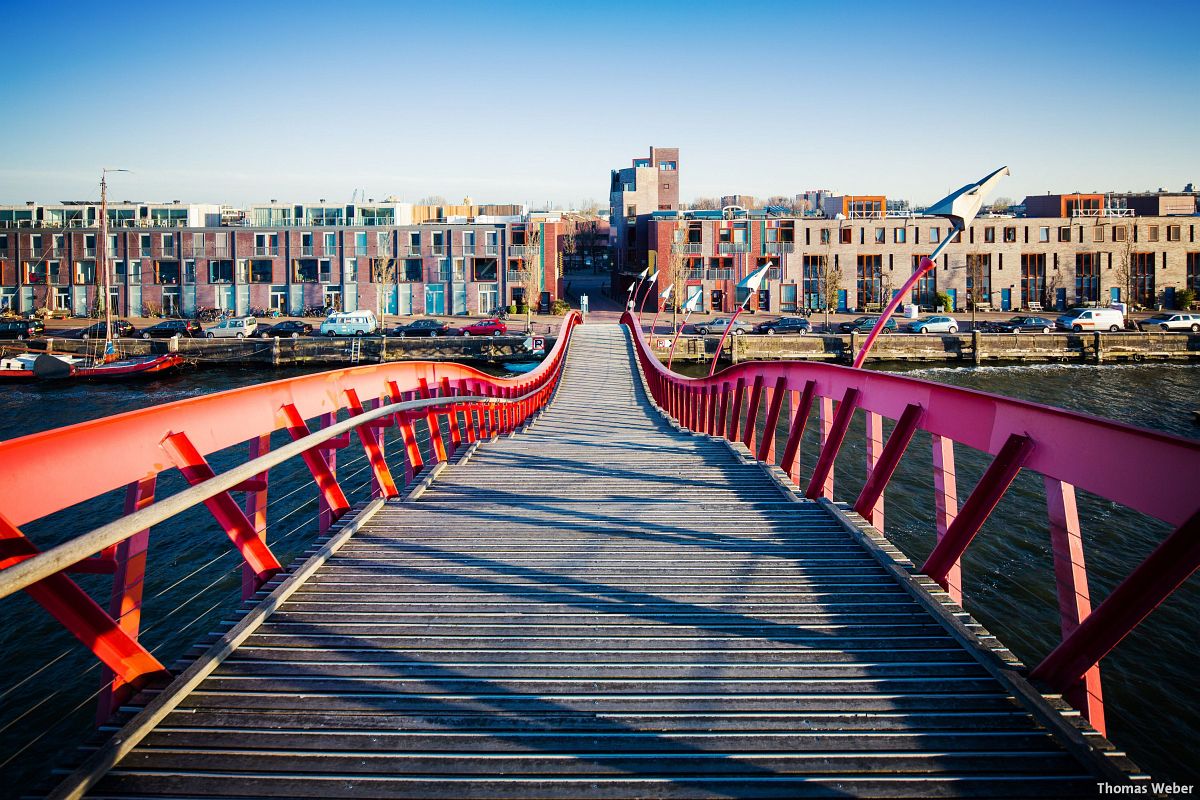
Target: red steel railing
pixel 457 405
pixel 1150 472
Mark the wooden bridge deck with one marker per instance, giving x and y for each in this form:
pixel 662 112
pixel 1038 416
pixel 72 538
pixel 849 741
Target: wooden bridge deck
pixel 607 607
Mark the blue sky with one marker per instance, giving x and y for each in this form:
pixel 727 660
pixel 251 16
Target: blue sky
pixel 244 102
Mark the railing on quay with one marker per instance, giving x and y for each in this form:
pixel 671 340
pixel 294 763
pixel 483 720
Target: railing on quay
pixel 457 405
pixel 1149 472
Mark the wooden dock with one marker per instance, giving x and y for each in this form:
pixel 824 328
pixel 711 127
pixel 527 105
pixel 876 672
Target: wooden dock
pixel 604 606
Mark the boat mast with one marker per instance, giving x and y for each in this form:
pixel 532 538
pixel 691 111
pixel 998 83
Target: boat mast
pixel 102 251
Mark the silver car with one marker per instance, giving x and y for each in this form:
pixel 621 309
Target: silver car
pixel 718 326
pixel 1171 321
pixel 940 324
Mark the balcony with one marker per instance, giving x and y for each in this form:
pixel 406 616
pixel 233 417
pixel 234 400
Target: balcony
pixel 775 274
pixel 414 251
pixel 491 250
pixel 693 275
pixel 729 248
pixel 357 250
pixel 516 277
pixel 438 250
pixel 169 251
pixel 691 248
pixel 778 248
pixel 718 274
pixel 307 250
pixel 438 276
pixel 1102 212
pixel 269 250
pixel 519 251
pixel 89 252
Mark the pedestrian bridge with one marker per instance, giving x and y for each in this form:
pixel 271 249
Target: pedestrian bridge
pixel 599 580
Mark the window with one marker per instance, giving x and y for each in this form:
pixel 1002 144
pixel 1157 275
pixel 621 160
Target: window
pixel 144 243
pixel 1087 277
pixel 331 244
pixel 135 272
pixel 383 243
pixel 460 270
pixel 787 298
pixel 979 277
pixel 243 271
pixel 899 235
pixel 305 270
pixel 1097 234
pixel 870 281
pixel 1010 234
pixel 825 236
pixel 1152 233
pixel 325 270
pixel 925 289
pixel 35 272
pixel 1193 272
pixel 468 241
pixel 1118 233
pixel 935 235
pixel 631 211
pixel 1033 279
pixel 666 165
pixel 189 271
pixel 85 272
pixel 412 270
pixel 845 234
pixel 350 270
pixel 1064 233
pixel 880 236
pixel 1172 233
pixel 483 269
pixel 989 235
pixel 260 270
pixel 491 241
pixel 414 243
pixel 1044 234
pixel 1141 276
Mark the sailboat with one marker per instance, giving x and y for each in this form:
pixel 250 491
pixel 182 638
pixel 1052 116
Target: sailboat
pixel 107 363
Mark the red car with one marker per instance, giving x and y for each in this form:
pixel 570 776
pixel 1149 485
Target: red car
pixel 485 327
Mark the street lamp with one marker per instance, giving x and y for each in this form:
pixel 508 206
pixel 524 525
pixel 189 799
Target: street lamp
pixel 960 208
pixel 751 283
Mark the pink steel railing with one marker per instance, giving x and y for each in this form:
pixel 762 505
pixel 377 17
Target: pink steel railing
pixel 457 405
pixel 1150 472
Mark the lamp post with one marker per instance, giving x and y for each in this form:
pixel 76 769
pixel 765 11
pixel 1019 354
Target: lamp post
pixel 751 283
pixel 960 208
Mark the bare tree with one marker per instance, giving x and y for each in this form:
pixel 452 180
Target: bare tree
pixel 432 200
pixel 705 204
pixel 529 282
pixel 673 268
pixel 829 282
pixel 1001 205
pixel 383 273
pixel 1123 269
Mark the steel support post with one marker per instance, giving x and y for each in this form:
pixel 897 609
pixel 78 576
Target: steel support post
pixel 750 431
pixel 945 498
pixel 821 482
pixel 801 407
pixel 322 463
pixel 882 460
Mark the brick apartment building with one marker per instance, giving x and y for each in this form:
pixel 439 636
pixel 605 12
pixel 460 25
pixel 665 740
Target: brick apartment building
pixel 1067 249
pixel 176 258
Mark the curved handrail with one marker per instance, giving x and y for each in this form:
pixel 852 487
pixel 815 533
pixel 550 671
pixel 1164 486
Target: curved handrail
pixel 115 451
pixel 1151 472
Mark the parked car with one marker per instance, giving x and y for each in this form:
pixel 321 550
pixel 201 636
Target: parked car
pixel 1091 319
pixel 939 324
pixel 1171 321
pixel 169 329
pixel 718 326
pixel 233 328
pixel 21 328
pixel 421 327
pixel 865 324
pixel 1023 324
pixel 350 323
pixel 120 328
pixel 289 329
pixel 485 327
pixel 771 327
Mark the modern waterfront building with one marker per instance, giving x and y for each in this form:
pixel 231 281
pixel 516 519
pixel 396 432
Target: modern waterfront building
pixel 174 258
pixel 855 261
pixel 649 185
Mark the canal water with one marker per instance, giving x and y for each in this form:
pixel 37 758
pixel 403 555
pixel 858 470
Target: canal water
pixel 47 680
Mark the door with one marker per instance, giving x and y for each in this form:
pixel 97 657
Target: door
pixel 459 301
pixel 693 292
pixel 953 299
pixel 134 307
pixel 242 293
pixel 79 301
pixel 404 296
pixel 842 299
pixel 1114 294
pixel 716 300
pixel 1006 299
pixel 171 302
pixel 1060 299
pixel 489 296
pixel 435 299
pixel 295 299
pixel 350 297
pixel 1169 297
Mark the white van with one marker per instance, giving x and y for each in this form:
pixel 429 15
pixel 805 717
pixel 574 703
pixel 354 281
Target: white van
pixel 349 323
pixel 1091 319
pixel 232 328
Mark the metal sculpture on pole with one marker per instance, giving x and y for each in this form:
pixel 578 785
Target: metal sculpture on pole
pixel 751 282
pixel 692 304
pixel 633 288
pixel 651 282
pixel 662 300
pixel 960 208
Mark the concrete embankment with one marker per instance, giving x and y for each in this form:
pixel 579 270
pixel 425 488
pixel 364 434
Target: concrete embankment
pixel 311 350
pixel 971 348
